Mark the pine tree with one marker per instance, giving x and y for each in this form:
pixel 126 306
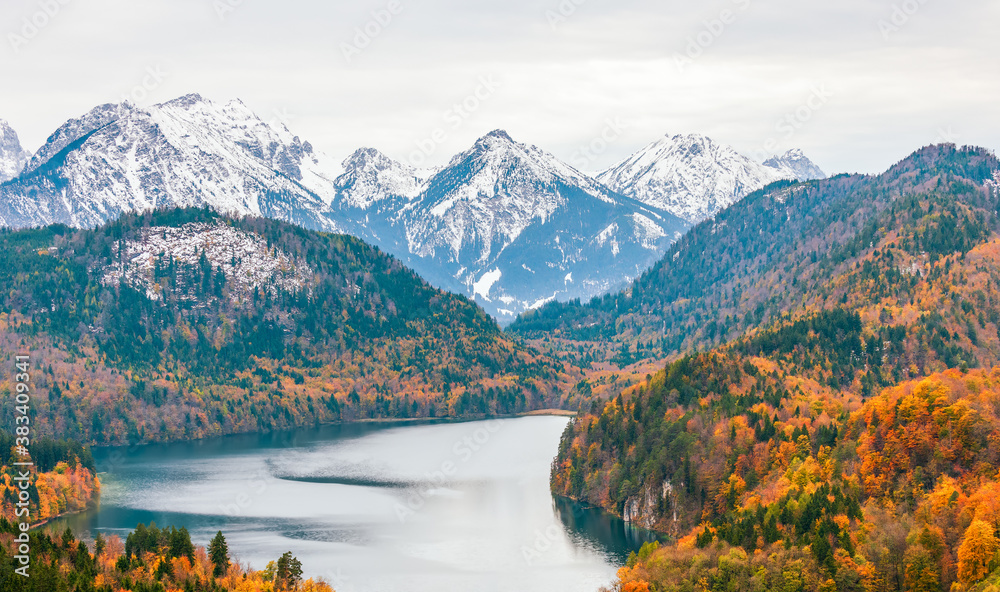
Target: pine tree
pixel 218 552
pixel 289 572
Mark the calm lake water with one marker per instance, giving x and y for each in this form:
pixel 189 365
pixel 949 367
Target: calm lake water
pixel 375 508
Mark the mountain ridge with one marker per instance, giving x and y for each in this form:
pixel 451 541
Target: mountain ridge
pixel 832 392
pixel 184 323
pixel 487 215
pixel 504 223
pixel 185 152
pixel 693 177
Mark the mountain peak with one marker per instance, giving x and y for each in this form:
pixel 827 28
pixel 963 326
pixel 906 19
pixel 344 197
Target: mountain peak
pixel 184 152
pixel 496 141
pixel 363 156
pixel 499 134
pixel 13 156
pixel 187 100
pixel 689 175
pixel 371 177
pixel 975 162
pixel 795 165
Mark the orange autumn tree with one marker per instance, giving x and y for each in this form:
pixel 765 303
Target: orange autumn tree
pixel 978 553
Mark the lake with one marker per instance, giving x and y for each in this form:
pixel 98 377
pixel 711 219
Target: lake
pixel 375 507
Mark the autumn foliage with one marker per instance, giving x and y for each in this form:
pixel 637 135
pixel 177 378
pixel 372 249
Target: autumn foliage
pixel 63 480
pixel 150 560
pixel 902 493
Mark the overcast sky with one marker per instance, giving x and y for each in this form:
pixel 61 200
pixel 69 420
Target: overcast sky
pixel 857 84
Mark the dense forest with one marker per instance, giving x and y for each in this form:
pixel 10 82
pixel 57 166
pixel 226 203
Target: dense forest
pixel 839 428
pixel 775 252
pixel 899 494
pixel 150 559
pixel 184 324
pixel 64 478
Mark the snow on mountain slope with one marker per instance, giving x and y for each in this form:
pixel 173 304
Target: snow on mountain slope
pixel 488 195
pixel 371 177
pixel 245 259
pixel 505 223
pixel 186 152
pixel 693 177
pixel 795 164
pixel 12 156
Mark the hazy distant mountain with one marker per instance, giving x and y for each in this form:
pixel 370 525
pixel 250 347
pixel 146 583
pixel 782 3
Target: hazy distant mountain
pixel 694 178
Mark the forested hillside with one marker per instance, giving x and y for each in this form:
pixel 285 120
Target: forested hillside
pixel 845 436
pixel 184 324
pixel 899 494
pixel 779 250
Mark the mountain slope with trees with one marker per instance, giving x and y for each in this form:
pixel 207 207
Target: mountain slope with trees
pixel 778 250
pixel 831 422
pixel 184 324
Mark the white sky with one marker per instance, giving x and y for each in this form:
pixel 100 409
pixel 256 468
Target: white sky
pixel 935 78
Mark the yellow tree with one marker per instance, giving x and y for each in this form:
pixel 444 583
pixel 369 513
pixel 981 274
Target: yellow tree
pixel 977 552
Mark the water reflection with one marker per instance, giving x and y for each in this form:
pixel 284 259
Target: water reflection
pixel 602 529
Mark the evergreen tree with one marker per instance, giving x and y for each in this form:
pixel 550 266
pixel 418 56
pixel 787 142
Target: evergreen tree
pixel 289 572
pixel 218 552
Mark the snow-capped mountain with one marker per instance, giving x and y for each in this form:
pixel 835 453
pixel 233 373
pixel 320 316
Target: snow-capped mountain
pixel 694 178
pixel 186 152
pixel 795 164
pixel 505 223
pixel 12 156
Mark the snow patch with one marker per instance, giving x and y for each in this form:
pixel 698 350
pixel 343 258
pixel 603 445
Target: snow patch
pixel 541 302
pixel 244 258
pixel 485 284
pixel 647 232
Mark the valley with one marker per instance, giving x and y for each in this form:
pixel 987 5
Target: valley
pixel 795 389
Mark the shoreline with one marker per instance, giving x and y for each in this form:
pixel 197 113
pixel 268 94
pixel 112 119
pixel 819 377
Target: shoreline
pixel 371 421
pixel 389 420
pixel 51 519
